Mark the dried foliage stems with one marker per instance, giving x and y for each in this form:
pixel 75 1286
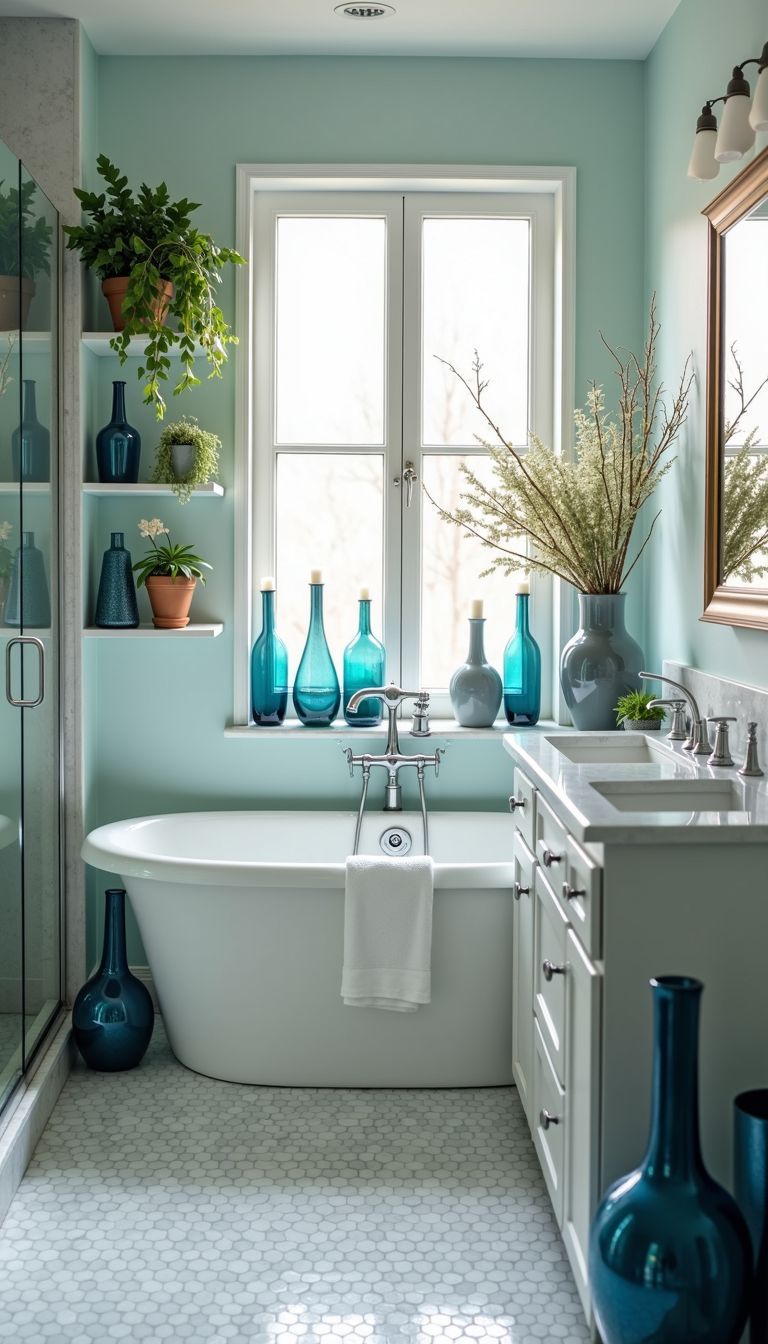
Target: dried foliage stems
pixel 577 515
pixel 744 515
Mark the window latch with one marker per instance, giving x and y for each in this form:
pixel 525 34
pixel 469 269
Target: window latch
pixel 408 477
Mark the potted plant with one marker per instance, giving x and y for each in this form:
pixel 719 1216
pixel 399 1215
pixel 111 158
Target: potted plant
pixel 573 517
pixel 6 565
pixel 154 265
pixel 186 456
pixel 169 571
pixel 25 242
pixel 635 712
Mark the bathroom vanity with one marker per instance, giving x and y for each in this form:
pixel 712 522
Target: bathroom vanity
pixel 630 860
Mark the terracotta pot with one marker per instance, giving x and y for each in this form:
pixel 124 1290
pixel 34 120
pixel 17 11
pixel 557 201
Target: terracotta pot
pixel 170 600
pixel 16 294
pixel 114 292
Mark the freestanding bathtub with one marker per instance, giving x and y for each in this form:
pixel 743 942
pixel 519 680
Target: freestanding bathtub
pixel 242 916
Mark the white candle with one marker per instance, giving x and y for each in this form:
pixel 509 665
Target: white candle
pixel 267 584
pixel 522 586
pixel 316 576
pixel 476 609
pixel 365 594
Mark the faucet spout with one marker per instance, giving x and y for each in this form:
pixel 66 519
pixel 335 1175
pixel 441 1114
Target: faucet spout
pixel 698 740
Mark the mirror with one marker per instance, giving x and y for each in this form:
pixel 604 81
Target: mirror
pixel 736 536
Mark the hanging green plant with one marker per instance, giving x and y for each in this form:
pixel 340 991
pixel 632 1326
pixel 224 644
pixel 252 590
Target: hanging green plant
pixel 184 470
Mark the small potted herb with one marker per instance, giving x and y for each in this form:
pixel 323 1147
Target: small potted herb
pixel 6 565
pixel 25 243
pixel 186 456
pixel 635 712
pixel 169 572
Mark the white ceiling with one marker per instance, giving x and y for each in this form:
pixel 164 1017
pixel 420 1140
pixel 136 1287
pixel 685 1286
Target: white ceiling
pixel 588 28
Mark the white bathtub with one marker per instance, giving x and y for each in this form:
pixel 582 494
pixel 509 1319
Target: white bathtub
pixel 241 914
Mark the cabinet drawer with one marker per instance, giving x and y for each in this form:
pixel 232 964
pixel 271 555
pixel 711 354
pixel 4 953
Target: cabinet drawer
pixel 549 1125
pixel 524 809
pixel 581 892
pixel 550 971
pixel 550 842
pixel 522 975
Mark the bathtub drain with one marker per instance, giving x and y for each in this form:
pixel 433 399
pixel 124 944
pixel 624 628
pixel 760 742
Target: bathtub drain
pixel 395 841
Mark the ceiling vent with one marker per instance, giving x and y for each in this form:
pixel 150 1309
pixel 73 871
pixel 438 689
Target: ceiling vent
pixel 364 11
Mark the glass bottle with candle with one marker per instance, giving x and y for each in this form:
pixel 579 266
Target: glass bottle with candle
pixel 522 666
pixel 316 692
pixel 364 665
pixel 475 687
pixel 269 665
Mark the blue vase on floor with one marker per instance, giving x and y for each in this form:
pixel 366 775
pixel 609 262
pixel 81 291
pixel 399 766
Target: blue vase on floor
pixel 118 445
pixel 316 693
pixel 113 1016
pixel 600 663
pixel 269 668
pixel 28 604
pixel 751 1191
pixel 365 663
pixel 30 442
pixel 475 687
pixel 116 606
pixel 669 1252
pixel 522 670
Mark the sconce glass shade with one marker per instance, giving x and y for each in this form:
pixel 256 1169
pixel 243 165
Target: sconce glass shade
pixel 736 135
pixel 758 117
pixel 703 164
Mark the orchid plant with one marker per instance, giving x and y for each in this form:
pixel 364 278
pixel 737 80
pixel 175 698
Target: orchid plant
pixel 167 559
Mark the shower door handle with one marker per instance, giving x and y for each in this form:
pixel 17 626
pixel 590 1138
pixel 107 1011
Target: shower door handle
pixel 21 640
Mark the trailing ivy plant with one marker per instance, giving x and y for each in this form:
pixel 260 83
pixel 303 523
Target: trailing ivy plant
pixel 206 459
pixel 149 238
pixel 25 239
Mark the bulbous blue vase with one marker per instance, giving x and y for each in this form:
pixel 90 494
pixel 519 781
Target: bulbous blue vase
pixel 30 442
pixel 601 661
pixel 118 444
pixel 113 1015
pixel 669 1252
pixel 316 690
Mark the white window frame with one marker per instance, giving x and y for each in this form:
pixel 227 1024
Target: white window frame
pixel 254 509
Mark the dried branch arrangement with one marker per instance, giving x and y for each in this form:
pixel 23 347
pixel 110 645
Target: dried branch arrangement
pixel 744 519
pixel 577 514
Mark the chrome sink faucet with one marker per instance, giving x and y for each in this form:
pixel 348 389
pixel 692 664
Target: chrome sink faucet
pixel 697 742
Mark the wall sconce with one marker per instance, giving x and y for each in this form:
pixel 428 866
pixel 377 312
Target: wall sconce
pixel 738 124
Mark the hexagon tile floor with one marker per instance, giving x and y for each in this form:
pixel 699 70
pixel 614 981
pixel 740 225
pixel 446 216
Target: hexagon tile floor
pixel 161 1205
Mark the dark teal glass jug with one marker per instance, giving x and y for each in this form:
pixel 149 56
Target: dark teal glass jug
pixel 522 669
pixel 31 442
pixel 316 692
pixel 113 1015
pixel 116 605
pixel 118 444
pixel 365 662
pixel 269 666
pixel 669 1254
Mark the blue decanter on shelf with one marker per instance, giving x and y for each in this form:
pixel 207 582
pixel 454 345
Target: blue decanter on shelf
pixel 522 666
pixel 316 692
pixel 365 662
pixel 269 665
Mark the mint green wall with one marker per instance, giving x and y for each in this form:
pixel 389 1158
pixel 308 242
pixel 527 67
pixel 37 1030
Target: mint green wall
pixel 691 62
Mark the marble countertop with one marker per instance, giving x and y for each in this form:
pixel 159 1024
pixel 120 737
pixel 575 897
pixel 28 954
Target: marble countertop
pixel 598 802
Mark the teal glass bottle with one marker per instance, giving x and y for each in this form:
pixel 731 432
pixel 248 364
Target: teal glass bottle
pixel 116 606
pixel 522 669
pixel 113 1016
pixel 269 666
pixel 31 442
pixel 28 604
pixel 118 444
pixel 316 692
pixel 365 662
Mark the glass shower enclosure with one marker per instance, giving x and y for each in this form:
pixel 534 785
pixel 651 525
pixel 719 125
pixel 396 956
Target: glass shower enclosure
pixel 30 772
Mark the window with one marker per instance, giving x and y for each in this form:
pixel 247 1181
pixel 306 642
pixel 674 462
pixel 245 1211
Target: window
pixel 355 299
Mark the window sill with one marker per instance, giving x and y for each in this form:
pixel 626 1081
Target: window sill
pixel 294 731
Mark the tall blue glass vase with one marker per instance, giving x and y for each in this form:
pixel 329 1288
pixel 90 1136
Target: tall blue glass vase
pixel 269 667
pixel 113 1016
pixel 28 603
pixel 751 1191
pixel 669 1254
pixel 316 693
pixel 116 606
pixel 365 663
pixel 522 669
pixel 118 444
pixel 30 442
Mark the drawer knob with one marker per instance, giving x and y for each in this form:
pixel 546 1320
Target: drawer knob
pixel 514 803
pixel 519 890
pixel 546 1119
pixel 548 857
pixel 549 969
pixel 570 893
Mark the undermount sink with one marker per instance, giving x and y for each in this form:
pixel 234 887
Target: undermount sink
pixel 671 795
pixel 612 749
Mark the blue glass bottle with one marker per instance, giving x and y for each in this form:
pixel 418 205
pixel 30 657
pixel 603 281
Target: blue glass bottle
pixel 113 1015
pixel 269 666
pixel 116 606
pixel 30 442
pixel 522 669
pixel 669 1252
pixel 316 693
pixel 365 662
pixel 28 603
pixel 118 444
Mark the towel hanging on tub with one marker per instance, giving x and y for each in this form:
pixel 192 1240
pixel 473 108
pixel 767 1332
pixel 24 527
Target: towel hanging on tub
pixel 387 933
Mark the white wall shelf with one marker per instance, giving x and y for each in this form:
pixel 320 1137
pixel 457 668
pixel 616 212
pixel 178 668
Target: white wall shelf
pixel 211 490
pixel 98 343
pixel 29 487
pixel 150 632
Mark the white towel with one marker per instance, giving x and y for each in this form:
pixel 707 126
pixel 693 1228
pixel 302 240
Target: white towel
pixel 387 933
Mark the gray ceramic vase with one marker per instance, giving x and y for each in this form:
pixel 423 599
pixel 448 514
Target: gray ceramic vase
pixel 600 663
pixel 476 687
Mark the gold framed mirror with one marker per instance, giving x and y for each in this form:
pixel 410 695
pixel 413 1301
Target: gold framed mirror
pixel 736 519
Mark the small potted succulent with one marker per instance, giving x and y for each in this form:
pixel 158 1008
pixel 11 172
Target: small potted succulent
pixel 635 712
pixel 6 565
pixel 169 572
pixel 186 456
pixel 25 242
